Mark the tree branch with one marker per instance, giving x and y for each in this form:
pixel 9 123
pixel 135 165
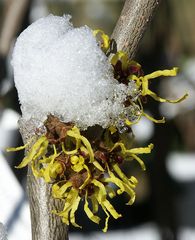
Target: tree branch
pixel 132 23
pixel 130 27
pixel 45 226
pixel 14 14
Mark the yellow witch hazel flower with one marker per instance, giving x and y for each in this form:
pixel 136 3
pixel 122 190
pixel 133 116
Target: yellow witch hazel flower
pixel 127 71
pixel 130 73
pixel 65 158
pixel 104 39
pixel 81 169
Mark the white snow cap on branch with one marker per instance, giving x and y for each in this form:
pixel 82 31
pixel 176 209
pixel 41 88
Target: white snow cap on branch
pixel 61 70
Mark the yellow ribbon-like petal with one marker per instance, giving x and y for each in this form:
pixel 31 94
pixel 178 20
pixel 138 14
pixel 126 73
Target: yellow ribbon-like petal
pixel 111 192
pixel 53 168
pixel 143 83
pixel 166 73
pixel 102 189
pixel 123 187
pixel 89 213
pixel 105 229
pixel 78 163
pixel 37 150
pixel 76 134
pixel 69 204
pixel 59 192
pixel 132 152
pixel 153 119
pixel 73 210
pixel 123 176
pixel 115 180
pixel 159 99
pixel 12 149
pixel 122 57
pixel 140 150
pixel 87 180
pixel 111 209
pixel 94 202
pixel 107 207
pixel 105 39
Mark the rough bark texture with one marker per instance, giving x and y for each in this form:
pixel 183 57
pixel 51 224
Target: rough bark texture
pixel 45 225
pixel 134 18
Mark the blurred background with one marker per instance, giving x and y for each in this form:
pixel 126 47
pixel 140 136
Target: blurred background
pixel 164 208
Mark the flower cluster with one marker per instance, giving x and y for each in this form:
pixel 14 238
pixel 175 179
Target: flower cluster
pixel 130 73
pixel 78 169
pixel 81 165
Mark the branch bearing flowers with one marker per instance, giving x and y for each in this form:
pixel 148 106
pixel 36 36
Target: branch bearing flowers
pixel 80 152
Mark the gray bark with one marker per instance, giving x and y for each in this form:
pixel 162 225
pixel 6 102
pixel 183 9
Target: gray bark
pixel 130 27
pixel 44 224
pixel 132 23
pixel 13 16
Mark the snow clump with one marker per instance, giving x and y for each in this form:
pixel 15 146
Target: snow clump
pixel 61 70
